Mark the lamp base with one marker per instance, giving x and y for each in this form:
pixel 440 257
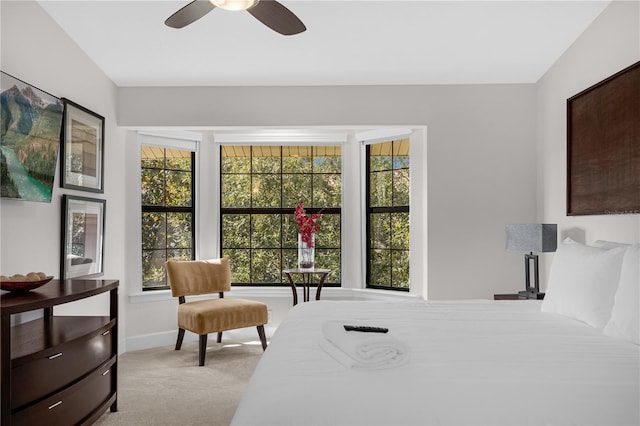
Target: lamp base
pixel 530 295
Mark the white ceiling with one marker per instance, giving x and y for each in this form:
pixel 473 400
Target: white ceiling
pixel 346 42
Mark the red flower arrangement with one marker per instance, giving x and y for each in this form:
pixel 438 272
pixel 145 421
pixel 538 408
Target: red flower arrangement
pixel 308 225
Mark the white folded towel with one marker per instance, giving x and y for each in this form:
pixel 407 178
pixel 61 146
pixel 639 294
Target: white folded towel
pixel 363 350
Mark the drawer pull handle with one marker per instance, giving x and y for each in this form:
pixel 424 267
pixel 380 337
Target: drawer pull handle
pixel 106 332
pixel 55 405
pixel 56 355
pixel 105 373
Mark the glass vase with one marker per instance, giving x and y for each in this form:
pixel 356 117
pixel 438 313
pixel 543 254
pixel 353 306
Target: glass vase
pixel 306 252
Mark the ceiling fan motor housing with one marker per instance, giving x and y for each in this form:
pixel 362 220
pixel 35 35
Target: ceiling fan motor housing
pixel 234 4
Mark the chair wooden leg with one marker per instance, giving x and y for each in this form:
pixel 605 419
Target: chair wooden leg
pixel 203 348
pixel 263 337
pixel 180 338
pixel 219 337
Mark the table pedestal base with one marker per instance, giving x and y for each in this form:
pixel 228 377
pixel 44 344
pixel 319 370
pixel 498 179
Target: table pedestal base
pixel 307 279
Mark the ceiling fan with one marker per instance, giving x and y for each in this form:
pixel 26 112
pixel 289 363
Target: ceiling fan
pixel 271 13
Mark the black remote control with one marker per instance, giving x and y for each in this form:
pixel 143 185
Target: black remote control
pixel 366 329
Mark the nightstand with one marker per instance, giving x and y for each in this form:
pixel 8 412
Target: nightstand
pixel 516 296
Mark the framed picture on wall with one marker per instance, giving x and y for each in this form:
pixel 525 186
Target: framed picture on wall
pixel 82 149
pixel 29 140
pixel 82 237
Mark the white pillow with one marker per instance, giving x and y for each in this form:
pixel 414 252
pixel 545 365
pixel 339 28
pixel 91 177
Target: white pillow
pixel 625 315
pixel 583 281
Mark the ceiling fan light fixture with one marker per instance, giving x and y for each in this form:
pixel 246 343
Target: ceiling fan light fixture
pixel 234 4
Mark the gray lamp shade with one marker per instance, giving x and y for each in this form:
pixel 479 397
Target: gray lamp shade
pixel 532 237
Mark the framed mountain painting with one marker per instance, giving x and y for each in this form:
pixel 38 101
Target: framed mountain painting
pixel 30 125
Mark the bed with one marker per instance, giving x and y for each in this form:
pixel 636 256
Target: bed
pixel 476 362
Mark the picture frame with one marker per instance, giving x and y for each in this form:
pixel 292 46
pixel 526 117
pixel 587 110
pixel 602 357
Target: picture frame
pixel 29 140
pixel 82 149
pixel 83 221
pixel 603 146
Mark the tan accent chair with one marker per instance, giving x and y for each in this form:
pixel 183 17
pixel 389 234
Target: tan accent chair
pixel 196 277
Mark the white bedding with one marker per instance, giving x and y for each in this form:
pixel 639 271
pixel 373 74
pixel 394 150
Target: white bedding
pixel 472 363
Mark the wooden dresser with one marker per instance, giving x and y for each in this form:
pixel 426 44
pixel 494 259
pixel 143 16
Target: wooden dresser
pixel 58 370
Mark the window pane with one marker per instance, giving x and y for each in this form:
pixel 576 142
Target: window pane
pixel 401 153
pixel 265 266
pixel 152 187
pixel 236 159
pixel 265 232
pixel 153 231
pixel 295 187
pixel 178 188
pixel 380 189
pixel 240 265
pixel 327 160
pixel 179 230
pixel 265 159
pixel 381 156
pixel 400 268
pixel 178 160
pixel 380 230
pixel 290 229
pixel 329 235
pixel 296 159
pixel 236 230
pixel 153 270
pixel 401 162
pixel 329 259
pixel 290 260
pixel 326 190
pixel 401 187
pixel 152 156
pixel 266 191
pixel 400 231
pixel 380 267
pixel 236 191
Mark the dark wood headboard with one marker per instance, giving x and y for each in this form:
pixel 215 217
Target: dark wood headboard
pixel 603 146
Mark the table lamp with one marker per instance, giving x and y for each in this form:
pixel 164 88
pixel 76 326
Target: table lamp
pixel 532 237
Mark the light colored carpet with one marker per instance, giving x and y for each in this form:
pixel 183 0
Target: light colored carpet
pixel 161 386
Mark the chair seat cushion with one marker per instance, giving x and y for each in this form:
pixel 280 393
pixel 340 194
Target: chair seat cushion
pixel 214 315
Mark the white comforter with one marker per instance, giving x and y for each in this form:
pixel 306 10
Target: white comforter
pixel 472 363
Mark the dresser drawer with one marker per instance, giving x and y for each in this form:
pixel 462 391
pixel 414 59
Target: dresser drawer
pixel 72 405
pixel 40 377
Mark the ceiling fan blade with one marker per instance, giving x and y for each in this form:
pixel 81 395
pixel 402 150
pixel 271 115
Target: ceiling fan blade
pixel 277 17
pixel 189 13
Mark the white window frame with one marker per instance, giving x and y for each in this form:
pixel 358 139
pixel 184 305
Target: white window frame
pixel 183 140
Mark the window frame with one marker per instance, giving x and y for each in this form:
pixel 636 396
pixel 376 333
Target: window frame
pixel 368 211
pixel 222 211
pixel 169 209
